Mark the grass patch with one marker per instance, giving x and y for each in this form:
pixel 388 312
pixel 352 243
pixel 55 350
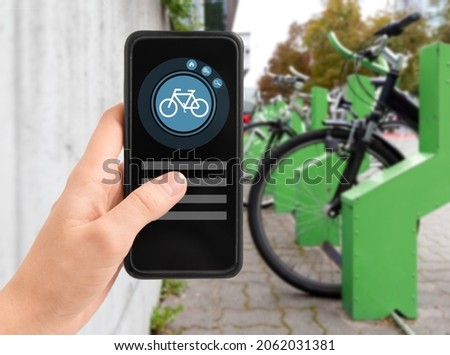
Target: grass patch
pixel 163 316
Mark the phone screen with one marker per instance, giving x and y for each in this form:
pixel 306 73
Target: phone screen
pixel 183 113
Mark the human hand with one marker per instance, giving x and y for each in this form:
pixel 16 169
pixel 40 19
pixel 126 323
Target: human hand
pixel 78 253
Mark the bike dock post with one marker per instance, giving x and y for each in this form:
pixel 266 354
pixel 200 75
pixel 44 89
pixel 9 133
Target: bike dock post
pixel 381 215
pixel 283 193
pixel 309 192
pixel 361 93
pixel 319 107
pixel 297 122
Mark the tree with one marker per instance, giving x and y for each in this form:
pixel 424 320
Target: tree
pixel 344 18
pixel 287 54
pixel 442 18
pixel 408 43
pixel 317 58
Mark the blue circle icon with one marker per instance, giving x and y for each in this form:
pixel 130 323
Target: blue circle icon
pixel 206 71
pixel 183 104
pixel 191 64
pixel 217 83
pixel 180 107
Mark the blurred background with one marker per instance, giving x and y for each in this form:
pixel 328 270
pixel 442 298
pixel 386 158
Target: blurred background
pixel 61 66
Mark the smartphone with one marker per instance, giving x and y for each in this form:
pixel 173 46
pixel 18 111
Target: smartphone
pixel 183 112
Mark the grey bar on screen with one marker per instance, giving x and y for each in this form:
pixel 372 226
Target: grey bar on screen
pixel 187 165
pixel 201 182
pixel 195 216
pixel 206 182
pixel 204 199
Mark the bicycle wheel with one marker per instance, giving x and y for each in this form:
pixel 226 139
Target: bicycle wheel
pixel 200 108
pixel 258 138
pixel 295 237
pixel 168 108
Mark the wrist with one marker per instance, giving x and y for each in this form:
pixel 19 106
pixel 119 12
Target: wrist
pixel 9 320
pixel 20 315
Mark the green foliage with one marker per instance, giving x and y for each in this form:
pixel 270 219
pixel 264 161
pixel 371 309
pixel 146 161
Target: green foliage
pixel 344 18
pixel 182 14
pixel 442 18
pixel 163 317
pixel 172 287
pixel 287 54
pixel 409 43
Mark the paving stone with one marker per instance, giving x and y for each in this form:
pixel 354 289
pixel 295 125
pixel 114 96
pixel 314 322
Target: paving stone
pixel 197 317
pixel 435 266
pixel 334 320
pixel 438 299
pixel 260 296
pixel 434 325
pixel 232 296
pixel 263 330
pixel 436 275
pixel 427 286
pixel 372 328
pixel 201 331
pixel 303 322
pixel 444 286
pixel 244 277
pixel 253 317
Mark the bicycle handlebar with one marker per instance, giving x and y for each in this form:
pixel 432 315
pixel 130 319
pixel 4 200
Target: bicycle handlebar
pixel 396 28
pixel 380 66
pixel 299 75
pixel 288 79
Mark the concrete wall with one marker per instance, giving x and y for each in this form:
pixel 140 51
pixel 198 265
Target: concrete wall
pixel 61 65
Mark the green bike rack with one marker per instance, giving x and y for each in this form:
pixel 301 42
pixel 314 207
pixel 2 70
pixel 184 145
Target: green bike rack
pixel 361 93
pixel 319 107
pixel 254 148
pixel 283 194
pixel 380 215
pixel 313 227
pixel 271 111
pixel 296 120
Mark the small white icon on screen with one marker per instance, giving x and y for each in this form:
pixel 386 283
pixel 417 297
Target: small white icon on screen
pixel 191 64
pixel 217 83
pixel 206 71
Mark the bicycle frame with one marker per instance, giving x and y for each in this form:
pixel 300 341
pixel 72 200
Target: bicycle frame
pixel 176 97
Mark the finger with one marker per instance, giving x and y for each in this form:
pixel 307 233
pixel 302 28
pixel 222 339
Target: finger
pixel 107 139
pixel 145 204
pixel 115 194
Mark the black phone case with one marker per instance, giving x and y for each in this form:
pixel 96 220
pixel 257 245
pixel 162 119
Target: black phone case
pixel 188 249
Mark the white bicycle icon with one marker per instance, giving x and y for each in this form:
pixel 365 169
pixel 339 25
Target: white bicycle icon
pixel 169 107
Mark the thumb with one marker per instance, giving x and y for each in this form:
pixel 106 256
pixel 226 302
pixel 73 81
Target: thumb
pixel 145 204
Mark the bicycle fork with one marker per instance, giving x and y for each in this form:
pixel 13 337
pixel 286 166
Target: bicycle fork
pixel 276 135
pixel 358 144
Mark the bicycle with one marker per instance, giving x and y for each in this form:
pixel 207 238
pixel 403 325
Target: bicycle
pixel 169 107
pixel 260 136
pixel 299 237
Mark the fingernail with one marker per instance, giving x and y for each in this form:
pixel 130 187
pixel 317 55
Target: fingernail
pixel 175 184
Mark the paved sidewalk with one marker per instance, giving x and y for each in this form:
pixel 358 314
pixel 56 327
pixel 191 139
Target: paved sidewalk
pixel 258 302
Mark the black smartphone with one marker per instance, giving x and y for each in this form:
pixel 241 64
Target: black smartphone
pixel 183 112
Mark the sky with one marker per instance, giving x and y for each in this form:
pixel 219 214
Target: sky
pixel 268 23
